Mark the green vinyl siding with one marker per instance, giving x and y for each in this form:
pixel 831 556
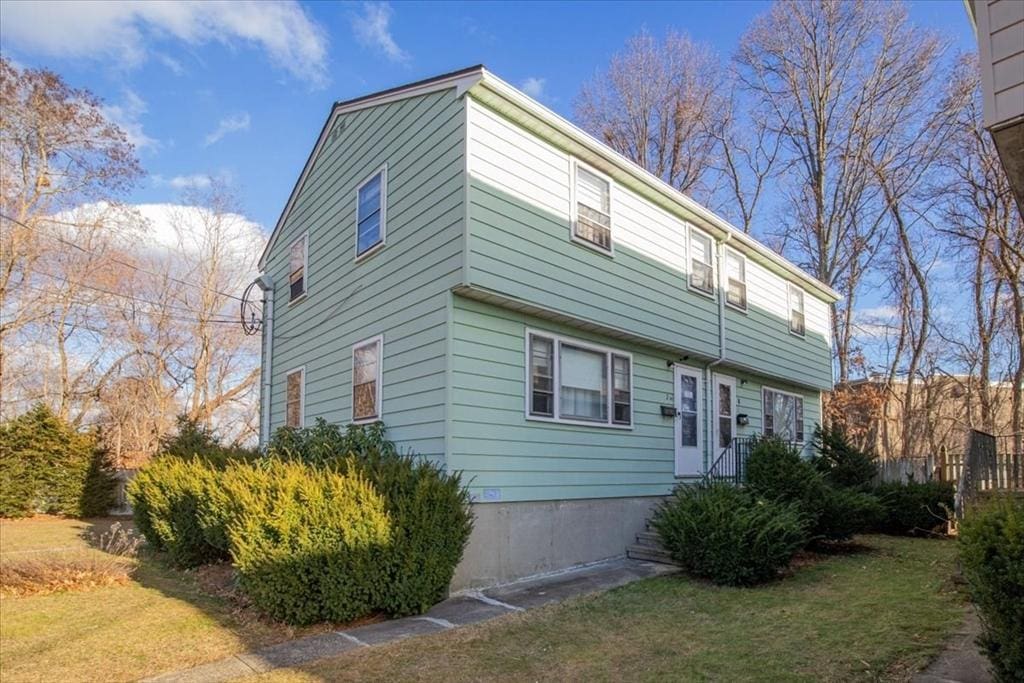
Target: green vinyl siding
pixel 497 447
pixel 400 291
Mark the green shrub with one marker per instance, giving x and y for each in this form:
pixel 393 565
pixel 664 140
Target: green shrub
pixel 840 462
pixel 728 535
pixel 776 471
pixel 181 507
pixel 429 507
pixel 914 508
pixel 48 466
pixel 193 439
pixel 992 555
pixel 308 542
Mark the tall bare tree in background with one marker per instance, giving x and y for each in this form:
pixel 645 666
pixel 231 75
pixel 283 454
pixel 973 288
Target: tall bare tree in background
pixel 113 319
pixel 656 104
pixel 829 74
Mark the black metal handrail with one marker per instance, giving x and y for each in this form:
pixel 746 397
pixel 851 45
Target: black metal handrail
pixel 731 464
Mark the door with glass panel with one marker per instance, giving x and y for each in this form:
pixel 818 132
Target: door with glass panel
pixel 689 454
pixel 725 411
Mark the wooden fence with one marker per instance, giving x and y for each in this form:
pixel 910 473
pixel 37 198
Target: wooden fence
pixel 1003 472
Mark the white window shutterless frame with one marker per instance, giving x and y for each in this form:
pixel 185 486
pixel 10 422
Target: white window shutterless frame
pixel 725 412
pixel 689 452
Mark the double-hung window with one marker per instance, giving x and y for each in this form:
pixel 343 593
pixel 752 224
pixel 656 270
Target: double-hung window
pixel 702 272
pixel 298 255
pixel 783 415
pixel 736 272
pixel 366 380
pixel 593 224
pixel 295 398
pixel 796 310
pixel 577 382
pixel 371 213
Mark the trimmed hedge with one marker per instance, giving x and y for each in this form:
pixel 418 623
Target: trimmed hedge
pixel 180 506
pixel 914 508
pixel 992 555
pixel 776 471
pixel 726 534
pixel 47 466
pixel 308 542
pixel 429 507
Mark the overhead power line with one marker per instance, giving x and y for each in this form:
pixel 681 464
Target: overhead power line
pixel 127 264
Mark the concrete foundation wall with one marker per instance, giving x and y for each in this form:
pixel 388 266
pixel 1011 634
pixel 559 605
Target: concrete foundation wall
pixel 514 540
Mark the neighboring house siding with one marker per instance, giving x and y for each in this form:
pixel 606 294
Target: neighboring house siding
pixel 400 291
pixel 503 454
pixel 520 246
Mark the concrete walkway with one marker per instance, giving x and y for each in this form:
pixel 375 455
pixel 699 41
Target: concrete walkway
pixel 961 661
pixel 459 610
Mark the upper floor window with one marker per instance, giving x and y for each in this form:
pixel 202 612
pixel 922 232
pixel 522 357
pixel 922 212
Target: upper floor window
pixel 371 212
pixel 593 222
pixel 736 271
pixel 366 380
pixel 295 398
pixel 702 272
pixel 796 310
pixel 783 415
pixel 576 382
pixel 298 255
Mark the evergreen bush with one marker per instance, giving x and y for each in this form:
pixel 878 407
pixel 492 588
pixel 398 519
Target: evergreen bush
pixel 47 466
pixel 992 554
pixel 193 439
pixel 840 462
pixel 914 508
pixel 728 535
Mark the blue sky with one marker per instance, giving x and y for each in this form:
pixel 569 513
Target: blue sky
pixel 241 90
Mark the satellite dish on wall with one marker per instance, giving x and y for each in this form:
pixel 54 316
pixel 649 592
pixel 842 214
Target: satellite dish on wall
pixel 251 310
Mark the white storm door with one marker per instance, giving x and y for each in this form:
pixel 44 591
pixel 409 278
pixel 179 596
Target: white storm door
pixel 725 413
pixel 689 454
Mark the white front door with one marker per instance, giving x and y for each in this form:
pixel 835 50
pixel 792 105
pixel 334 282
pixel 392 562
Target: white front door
pixel 689 454
pixel 725 412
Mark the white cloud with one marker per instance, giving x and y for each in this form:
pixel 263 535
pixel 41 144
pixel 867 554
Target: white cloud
pixel 126 116
pixel 227 125
pixel 125 31
pixel 172 64
pixel 183 182
pixel 534 87
pixel 373 29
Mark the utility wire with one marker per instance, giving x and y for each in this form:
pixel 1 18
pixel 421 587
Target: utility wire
pixel 130 297
pixel 125 263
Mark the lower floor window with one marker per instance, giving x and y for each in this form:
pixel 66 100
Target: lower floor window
pixel 577 382
pixel 294 396
pixel 366 380
pixel 783 415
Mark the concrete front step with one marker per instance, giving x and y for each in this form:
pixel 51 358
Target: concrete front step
pixel 649 554
pixel 649 538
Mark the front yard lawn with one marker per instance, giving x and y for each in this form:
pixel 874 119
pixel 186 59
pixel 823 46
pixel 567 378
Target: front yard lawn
pixel 162 620
pixel 877 614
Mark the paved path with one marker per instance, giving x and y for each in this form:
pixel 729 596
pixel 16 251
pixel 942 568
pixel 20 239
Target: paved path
pixel 961 661
pixel 460 610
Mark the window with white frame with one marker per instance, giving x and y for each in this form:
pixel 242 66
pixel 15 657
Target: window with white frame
pixel 783 415
pixel 297 257
pixel 577 382
pixel 736 273
pixel 371 212
pixel 593 222
pixel 797 324
pixel 366 380
pixel 295 390
pixel 702 272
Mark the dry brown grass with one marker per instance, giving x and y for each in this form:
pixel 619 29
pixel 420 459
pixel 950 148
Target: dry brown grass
pixel 110 562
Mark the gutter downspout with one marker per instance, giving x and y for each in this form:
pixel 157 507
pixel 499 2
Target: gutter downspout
pixel 266 284
pixel 709 420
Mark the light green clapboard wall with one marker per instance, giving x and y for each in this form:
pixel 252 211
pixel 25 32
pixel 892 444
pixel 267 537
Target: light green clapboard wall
pixel 400 292
pixel 499 450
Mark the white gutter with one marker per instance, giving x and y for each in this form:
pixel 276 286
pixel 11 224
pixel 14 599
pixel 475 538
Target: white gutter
pixel 266 283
